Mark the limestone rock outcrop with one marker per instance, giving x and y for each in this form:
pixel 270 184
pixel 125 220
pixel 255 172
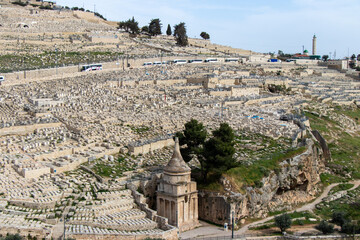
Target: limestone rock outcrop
pixel 293 183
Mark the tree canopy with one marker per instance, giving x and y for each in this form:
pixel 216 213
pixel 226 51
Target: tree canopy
pixel 168 31
pixel 12 237
pixel 193 137
pixel 215 154
pixel 339 218
pixel 325 227
pixel 180 34
pixel 219 151
pixel 205 35
pixel 155 27
pixel 145 29
pixel 283 222
pixel 325 58
pixel 130 25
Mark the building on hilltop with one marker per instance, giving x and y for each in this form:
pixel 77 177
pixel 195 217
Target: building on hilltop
pixel 314 45
pixel 177 195
pixel 305 55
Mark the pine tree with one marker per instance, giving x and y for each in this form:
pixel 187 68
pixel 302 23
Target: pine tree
pixel 180 34
pixel 168 31
pixel 219 151
pixel 193 137
pixel 155 27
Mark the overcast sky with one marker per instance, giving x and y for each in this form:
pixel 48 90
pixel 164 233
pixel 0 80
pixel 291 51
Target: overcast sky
pixel 257 25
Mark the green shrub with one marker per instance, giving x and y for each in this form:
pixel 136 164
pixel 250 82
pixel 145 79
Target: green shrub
pixel 339 218
pixel 23 4
pixel 350 228
pixel 325 227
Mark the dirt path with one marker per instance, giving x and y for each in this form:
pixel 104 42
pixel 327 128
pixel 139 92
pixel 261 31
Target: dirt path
pixel 58 231
pixel 307 207
pixel 213 231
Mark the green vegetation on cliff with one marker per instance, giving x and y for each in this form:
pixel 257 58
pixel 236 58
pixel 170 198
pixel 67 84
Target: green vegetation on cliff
pixel 343 140
pixel 243 158
pixel 348 204
pixel 251 175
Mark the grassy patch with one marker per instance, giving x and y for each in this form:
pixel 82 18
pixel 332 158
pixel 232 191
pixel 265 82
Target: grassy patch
pixel 262 227
pixel 353 113
pixel 304 214
pixel 141 129
pixel 327 178
pixel 341 187
pixel 299 219
pixel 276 213
pixel 344 147
pixel 251 175
pixel 115 169
pixel 349 204
pixel 213 187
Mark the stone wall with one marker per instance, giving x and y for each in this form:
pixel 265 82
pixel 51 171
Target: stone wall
pixel 323 144
pixel 170 232
pixel 38 233
pixel 68 167
pixel 238 92
pixel 146 148
pixel 214 207
pixel 165 235
pixel 99 178
pixel 25 129
pixel 36 205
pixel 34 172
pixel 292 237
pixel 220 93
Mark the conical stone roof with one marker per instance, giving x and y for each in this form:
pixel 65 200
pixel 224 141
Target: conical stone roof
pixel 177 163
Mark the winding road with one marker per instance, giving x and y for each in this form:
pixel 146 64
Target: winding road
pixel 213 231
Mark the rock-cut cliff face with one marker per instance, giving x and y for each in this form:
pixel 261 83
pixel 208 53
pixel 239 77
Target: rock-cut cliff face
pixel 295 182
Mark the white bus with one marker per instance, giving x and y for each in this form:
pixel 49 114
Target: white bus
pixel 147 64
pixel 91 67
pixel 157 63
pixel 195 61
pixel 179 61
pixel 2 79
pixel 231 60
pixel 211 60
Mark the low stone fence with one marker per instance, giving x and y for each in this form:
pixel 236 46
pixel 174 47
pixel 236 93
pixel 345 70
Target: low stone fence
pixel 99 178
pixel 164 235
pixel 170 232
pixel 35 233
pixel 285 237
pixel 25 129
pixel 151 146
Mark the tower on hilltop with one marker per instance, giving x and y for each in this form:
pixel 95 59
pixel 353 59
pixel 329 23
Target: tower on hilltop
pixel 314 45
pixel 177 196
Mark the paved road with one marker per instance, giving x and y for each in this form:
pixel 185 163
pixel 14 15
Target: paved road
pixel 208 230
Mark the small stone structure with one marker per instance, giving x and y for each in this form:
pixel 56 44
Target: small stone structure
pixel 177 196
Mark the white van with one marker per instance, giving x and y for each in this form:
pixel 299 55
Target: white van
pixel 179 61
pixel 211 60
